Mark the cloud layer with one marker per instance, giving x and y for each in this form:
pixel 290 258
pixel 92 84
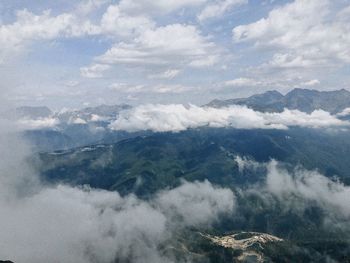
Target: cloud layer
pixel 177 117
pixel 65 224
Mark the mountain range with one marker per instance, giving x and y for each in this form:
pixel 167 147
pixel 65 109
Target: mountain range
pixel 305 100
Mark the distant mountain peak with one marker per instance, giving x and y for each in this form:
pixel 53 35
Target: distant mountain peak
pixel 306 100
pixel 273 92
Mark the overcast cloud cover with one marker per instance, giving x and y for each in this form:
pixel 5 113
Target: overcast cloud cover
pixel 190 51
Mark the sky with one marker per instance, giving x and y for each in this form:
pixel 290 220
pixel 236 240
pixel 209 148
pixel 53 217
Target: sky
pixel 74 54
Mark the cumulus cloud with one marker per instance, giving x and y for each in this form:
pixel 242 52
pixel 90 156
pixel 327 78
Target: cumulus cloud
pixel 174 44
pixel 115 22
pixel 316 119
pixel 345 112
pixel 29 27
pixel 177 117
pixel 303 32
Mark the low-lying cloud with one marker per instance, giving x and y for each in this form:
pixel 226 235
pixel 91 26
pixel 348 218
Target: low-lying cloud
pixel 177 117
pixel 39 123
pixel 301 188
pixel 65 224
pixel 331 195
pixel 196 203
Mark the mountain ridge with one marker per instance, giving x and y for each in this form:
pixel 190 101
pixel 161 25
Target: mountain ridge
pixel 306 100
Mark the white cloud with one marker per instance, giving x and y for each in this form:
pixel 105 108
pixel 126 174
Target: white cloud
pixel 176 44
pixel 157 7
pixel 288 60
pixel 196 203
pixel 68 224
pixel 94 71
pixel 269 82
pixel 168 74
pixel 86 7
pixel 207 61
pixel 127 88
pixel 116 22
pixel 40 123
pixel 176 117
pixel 312 82
pixel 78 121
pixel 246 163
pixel 218 8
pixel 158 88
pixel 97 118
pixel 345 112
pixel 29 27
pixel 307 33
pixel 316 119
pixel 299 188
pixel 309 185
pixel 171 88
pixel 241 82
